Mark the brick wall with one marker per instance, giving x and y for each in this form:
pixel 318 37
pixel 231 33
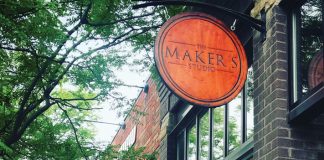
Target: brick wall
pixel 274 138
pixel 148 125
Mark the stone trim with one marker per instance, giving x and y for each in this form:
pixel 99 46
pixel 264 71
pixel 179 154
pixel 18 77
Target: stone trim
pixel 263 4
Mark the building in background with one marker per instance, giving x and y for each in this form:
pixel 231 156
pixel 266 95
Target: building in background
pixel 278 114
pixel 142 124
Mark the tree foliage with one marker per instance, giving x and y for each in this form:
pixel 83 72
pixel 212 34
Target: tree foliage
pixel 47 46
pixel 110 153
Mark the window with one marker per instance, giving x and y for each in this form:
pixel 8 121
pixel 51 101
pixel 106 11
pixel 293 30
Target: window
pixel 307 49
pixel 217 133
pixel 192 145
pixel 306 61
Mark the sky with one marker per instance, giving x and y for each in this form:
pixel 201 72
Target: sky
pixel 104 133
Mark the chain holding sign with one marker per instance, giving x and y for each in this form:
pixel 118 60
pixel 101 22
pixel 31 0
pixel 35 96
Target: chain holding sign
pixel 200 59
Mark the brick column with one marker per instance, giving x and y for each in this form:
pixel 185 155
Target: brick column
pixel 271 87
pixel 274 138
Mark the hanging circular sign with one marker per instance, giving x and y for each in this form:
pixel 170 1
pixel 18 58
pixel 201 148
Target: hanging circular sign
pixel 200 59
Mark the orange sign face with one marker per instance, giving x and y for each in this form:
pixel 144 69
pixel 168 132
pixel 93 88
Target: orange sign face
pixel 200 59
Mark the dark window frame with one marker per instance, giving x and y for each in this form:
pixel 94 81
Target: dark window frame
pixel 181 137
pixel 302 108
pixel 193 117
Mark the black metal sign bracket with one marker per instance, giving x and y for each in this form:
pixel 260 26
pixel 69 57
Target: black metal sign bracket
pixel 257 24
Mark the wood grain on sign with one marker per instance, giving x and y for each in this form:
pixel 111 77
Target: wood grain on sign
pixel 316 70
pixel 200 59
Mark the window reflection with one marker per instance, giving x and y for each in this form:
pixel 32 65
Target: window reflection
pixel 234 122
pixel 218 133
pixel 192 138
pixel 204 137
pixel 311 49
pixel 249 103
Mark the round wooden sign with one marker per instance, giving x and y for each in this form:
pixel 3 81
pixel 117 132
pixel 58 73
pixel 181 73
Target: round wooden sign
pixel 316 70
pixel 200 59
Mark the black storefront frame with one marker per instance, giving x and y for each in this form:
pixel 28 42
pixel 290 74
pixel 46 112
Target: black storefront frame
pixel 303 108
pixel 193 117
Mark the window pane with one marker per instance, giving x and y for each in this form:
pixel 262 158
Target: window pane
pixel 311 49
pixel 249 103
pixel 218 133
pixel 234 122
pixel 192 147
pixel 204 137
pixel 180 146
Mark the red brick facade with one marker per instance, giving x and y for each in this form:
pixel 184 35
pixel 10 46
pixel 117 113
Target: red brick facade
pixel 146 117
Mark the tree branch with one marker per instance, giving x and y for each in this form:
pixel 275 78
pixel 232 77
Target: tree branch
pixel 31 51
pixel 66 102
pixel 74 131
pixel 75 28
pixel 16 135
pixel 20 113
pixel 119 39
pixel 99 24
pixel 75 45
pixel 46 64
pixel 78 99
pixel 17 49
pixel 118 98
